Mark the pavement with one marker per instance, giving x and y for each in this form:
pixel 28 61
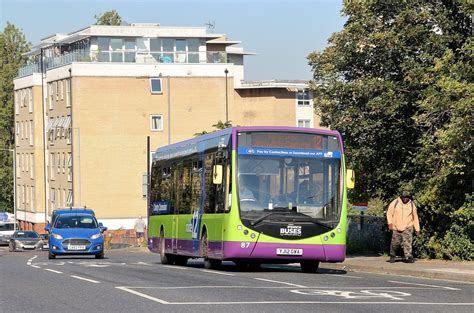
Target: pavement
pixel 436 269
pixel 426 268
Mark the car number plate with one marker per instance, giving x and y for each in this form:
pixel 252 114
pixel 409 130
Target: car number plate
pixel 76 247
pixel 286 251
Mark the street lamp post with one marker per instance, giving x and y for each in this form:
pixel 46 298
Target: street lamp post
pixel 14 183
pixel 226 71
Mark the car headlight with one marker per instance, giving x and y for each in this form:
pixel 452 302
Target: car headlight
pixel 57 236
pixel 95 236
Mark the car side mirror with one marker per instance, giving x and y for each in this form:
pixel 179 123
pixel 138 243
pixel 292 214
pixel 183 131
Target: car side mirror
pixel 47 227
pixel 102 228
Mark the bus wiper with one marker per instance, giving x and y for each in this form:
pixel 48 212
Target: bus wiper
pixel 320 223
pixel 267 215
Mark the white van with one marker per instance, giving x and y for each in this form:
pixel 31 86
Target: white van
pixel 6 232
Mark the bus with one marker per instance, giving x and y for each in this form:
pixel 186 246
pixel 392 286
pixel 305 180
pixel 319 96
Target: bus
pixel 250 195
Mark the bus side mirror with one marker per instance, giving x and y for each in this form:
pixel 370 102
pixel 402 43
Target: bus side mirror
pixel 350 179
pixel 217 174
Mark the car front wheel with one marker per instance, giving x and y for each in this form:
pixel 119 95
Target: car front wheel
pixel 51 256
pixel 99 256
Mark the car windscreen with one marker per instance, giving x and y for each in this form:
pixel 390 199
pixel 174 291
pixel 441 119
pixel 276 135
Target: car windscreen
pixel 75 221
pixel 26 234
pixel 7 226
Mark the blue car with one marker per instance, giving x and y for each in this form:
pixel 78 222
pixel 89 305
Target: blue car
pixel 76 234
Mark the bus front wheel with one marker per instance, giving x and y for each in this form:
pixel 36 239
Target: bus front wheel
pixel 165 257
pixel 309 266
pixel 208 263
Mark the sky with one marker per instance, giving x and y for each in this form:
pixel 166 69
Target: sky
pixel 281 32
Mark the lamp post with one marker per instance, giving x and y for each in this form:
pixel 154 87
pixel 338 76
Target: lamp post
pixel 226 71
pixel 14 183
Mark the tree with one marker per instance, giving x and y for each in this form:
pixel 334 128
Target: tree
pixel 108 18
pixel 220 125
pixel 376 83
pixel 13 45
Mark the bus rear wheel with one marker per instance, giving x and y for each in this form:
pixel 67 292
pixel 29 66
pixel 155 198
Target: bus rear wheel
pixel 309 266
pixel 181 260
pixel 165 257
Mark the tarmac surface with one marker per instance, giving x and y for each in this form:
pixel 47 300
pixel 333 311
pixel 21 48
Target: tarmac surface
pixel 426 268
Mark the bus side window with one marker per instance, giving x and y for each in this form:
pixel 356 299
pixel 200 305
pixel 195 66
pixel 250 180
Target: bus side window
pixel 185 187
pixel 210 201
pixel 196 173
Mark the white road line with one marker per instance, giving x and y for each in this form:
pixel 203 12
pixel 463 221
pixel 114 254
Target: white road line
pixel 142 295
pixel 31 259
pixel 425 285
pixel 281 287
pixel 280 282
pixel 176 267
pixel 54 271
pixel 35 266
pixel 321 302
pixel 220 273
pixel 86 279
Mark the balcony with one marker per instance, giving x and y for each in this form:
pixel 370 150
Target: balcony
pixel 123 56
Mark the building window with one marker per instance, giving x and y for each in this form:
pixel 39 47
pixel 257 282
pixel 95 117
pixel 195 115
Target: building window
pixel 69 198
pixel 304 123
pixel 31 133
pixel 51 95
pixel 32 198
pixel 155 86
pixel 61 89
pixel 52 162
pixel 156 122
pixel 32 166
pixel 30 101
pixel 69 167
pixel 304 98
pixel 57 90
pixel 68 93
pixel 17 102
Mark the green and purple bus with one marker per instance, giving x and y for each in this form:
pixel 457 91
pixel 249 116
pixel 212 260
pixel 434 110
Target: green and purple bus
pixel 251 195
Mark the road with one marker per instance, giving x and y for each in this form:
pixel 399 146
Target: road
pixel 135 281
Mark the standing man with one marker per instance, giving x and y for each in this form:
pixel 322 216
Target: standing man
pixel 402 219
pixel 140 228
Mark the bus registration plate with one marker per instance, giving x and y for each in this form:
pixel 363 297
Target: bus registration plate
pixel 286 251
pixel 75 247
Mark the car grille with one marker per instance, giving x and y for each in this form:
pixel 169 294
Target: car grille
pixel 76 242
pixel 29 243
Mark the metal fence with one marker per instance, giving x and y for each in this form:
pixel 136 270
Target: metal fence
pixel 367 235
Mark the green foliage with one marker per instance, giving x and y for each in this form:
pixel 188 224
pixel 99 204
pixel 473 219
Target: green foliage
pixel 13 45
pixel 397 82
pixel 108 18
pixel 220 125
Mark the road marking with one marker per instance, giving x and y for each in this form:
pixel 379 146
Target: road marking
pixel 54 271
pixel 317 302
pixel 425 285
pixel 363 294
pixel 86 279
pixel 280 282
pixel 220 273
pixel 35 266
pixel 31 259
pixel 141 263
pixel 142 295
pixel 176 267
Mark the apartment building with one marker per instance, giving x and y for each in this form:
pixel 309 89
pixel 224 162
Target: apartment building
pixel 87 100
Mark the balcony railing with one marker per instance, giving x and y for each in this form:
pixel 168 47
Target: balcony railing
pixel 140 57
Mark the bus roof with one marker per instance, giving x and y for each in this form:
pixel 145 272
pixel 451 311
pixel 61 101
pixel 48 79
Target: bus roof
pixel 203 142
